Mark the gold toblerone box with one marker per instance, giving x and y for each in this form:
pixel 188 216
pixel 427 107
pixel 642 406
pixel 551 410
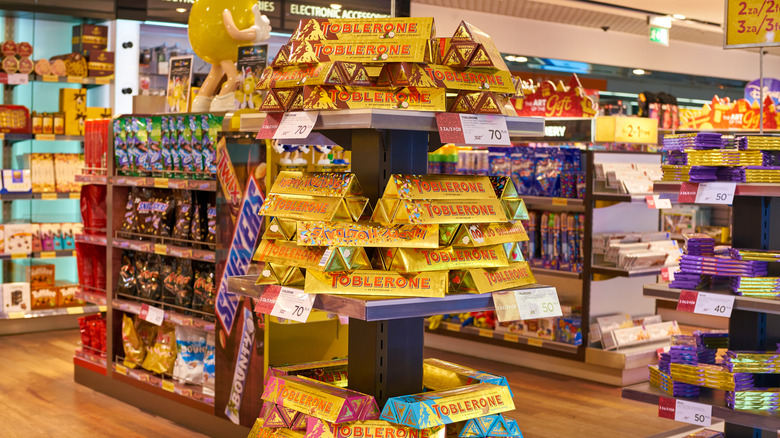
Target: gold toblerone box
pixel 439 187
pixel 290 254
pixel 377 283
pixel 321 97
pixel 477 235
pixel 338 185
pixel 321 233
pixel 424 260
pixel 381 28
pixel 391 50
pixel 281 229
pixel 491 280
pixel 409 74
pixel 371 428
pixel 323 208
pixel 449 211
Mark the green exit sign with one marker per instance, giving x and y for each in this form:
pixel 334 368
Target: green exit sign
pixel 659 35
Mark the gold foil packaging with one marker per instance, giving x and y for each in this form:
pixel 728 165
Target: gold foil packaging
pixel 377 283
pixel 321 233
pixel 491 280
pixel 424 260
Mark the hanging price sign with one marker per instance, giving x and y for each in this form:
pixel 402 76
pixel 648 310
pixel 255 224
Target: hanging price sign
pixel 285 302
pixel 152 314
pixel 476 129
pixel 282 126
pixel 527 304
pixel 685 411
pixel 655 201
pixel 716 193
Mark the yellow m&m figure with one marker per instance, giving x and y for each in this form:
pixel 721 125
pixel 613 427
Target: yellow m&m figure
pixel 216 29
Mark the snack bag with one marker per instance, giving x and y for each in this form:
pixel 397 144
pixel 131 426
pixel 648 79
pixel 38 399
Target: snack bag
pixel 162 212
pixel 209 366
pixel 184 146
pixel 129 223
pixel 190 355
pixel 132 343
pixel 165 147
pixel 210 127
pixel 161 356
pixel 169 273
pixel 143 213
pixel 183 286
pixel 197 146
pixel 126 283
pixel 121 150
pixel 196 230
pixel 154 139
pixel 183 220
pixel 203 289
pixel 211 218
pixel 148 283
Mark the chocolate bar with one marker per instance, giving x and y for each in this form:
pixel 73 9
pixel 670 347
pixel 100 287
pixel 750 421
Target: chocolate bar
pixel 377 283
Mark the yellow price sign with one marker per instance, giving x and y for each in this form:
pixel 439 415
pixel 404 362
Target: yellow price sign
pixel 45 137
pixel 486 333
pixel 752 23
pixel 121 369
pixel 167 385
pixel 511 338
pixel 2 136
pixel 103 80
pixel 48 254
pixel 50 78
pixel 49 196
pixel 640 130
pixel 161 183
pixel 16 315
pixel 560 201
pixel 74 310
pixel 75 79
pixel 75 195
pixel 536 342
pixel 102 308
pixel 19 255
pixel 160 249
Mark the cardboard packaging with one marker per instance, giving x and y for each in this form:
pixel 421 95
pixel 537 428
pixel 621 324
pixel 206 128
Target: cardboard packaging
pixel 100 63
pixel 16 297
pixel 89 37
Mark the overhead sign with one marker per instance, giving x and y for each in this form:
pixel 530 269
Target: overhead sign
pixel 752 23
pixel 295 10
pixel 659 35
pixel 565 130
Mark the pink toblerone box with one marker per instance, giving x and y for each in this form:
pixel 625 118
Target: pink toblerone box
pixel 275 416
pixel 319 399
pixel 328 371
pixel 316 428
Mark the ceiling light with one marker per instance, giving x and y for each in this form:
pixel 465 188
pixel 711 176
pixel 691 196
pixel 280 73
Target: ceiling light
pixel 510 58
pixel 639 71
pixel 678 16
pixel 181 10
pixel 335 6
pixel 521 59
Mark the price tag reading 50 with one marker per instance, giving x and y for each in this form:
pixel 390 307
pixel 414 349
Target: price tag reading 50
pixel 527 304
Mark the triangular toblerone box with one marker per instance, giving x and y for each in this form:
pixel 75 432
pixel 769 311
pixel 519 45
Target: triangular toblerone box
pixel 471 430
pixel 294 278
pixel 399 74
pixel 515 209
pixel 271 103
pixel 286 96
pixel 389 413
pixel 453 58
pixel 281 229
pixel 384 79
pixel 500 428
pixel 514 429
pixel 282 58
pixel 480 58
pixel 385 210
pixel 485 423
pixel 356 207
pixel 504 187
pixel 348 412
pixel 461 105
pixel 274 418
pixel 410 419
pixel 489 104
pixel 267 275
pixel 297 104
pixel 334 75
pixel 446 233
pixel 490 57
pixel 513 253
pixel 334 185
pixel 378 260
pixel 299 422
pixel 370 411
pixel 354 257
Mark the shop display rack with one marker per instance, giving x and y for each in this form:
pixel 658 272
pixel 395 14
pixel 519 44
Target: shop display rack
pixel 21 79
pixel 754 322
pixel 183 252
pixel 44 320
pixel 174 314
pixel 165 183
pixel 187 395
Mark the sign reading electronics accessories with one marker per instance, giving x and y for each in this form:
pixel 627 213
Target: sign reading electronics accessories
pixel 294 11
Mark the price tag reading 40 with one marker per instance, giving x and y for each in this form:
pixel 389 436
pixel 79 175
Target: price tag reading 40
pixel 527 304
pixel 706 303
pixel 685 411
pixel 293 304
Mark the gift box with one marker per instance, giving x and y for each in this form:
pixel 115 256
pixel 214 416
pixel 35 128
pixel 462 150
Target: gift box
pixel 89 37
pixel 100 63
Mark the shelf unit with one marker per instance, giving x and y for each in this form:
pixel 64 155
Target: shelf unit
pixel 385 335
pixel 754 323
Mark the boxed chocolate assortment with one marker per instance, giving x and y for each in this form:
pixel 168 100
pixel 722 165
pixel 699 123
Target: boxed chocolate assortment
pixel 388 63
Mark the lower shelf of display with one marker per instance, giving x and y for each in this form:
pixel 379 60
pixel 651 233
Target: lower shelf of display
pixel 743 189
pixel 52 312
pixel 171 316
pixel 91 179
pixel 646 393
pixel 192 395
pixel 619 272
pixel 93 297
pixel 90 361
pixel 91 238
pixel 208 185
pixel 546 201
pixel 556 273
pixel 372 308
pixel 509 339
pixel 662 291
pixel 165 249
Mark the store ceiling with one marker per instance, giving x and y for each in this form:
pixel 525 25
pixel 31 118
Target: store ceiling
pixel 618 15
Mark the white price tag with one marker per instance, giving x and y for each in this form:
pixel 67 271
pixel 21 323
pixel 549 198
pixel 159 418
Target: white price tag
pixel 716 193
pixel 527 304
pixel 152 314
pixel 714 304
pixel 485 129
pixel 693 413
pixel 297 124
pixel 18 79
pixel 293 304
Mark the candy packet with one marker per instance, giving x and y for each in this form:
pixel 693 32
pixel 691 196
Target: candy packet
pixel 190 355
pixel 161 356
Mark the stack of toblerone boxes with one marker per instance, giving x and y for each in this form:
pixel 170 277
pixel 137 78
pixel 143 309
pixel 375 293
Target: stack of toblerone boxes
pixel 429 235
pixel 460 402
pixel 388 63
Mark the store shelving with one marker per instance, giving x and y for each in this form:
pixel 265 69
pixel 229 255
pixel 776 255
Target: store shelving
pixel 545 202
pixel 501 338
pixel 90 361
pixel 21 79
pixel 49 196
pixel 39 254
pixel 91 238
pixel 187 395
pixel 619 272
pixel 92 179
pixel 93 296
pixel 765 420
pixel 618 197
pixel 134 304
pixel 165 183
pixel 743 189
pixel 558 273
pixel 44 320
pixel 662 291
pixel 165 249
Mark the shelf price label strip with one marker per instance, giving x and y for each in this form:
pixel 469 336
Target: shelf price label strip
pixel 285 302
pixel 293 125
pixel 685 411
pixel 479 129
pixel 707 193
pixel 152 314
pixel 525 304
pixel 706 303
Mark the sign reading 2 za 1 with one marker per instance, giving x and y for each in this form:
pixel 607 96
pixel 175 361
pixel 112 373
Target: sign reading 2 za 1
pixel 476 129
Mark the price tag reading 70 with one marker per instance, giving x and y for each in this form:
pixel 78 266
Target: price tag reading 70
pixel 297 124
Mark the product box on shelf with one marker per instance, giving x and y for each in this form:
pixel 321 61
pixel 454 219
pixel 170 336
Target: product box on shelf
pixel 14 119
pixel 18 238
pixel 100 63
pixel 44 297
pixel 96 112
pixel 16 297
pixel 16 181
pixel 89 37
pixel 37 273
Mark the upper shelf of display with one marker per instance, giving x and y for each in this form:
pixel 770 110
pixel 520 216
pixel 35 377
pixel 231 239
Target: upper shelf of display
pixel 392 119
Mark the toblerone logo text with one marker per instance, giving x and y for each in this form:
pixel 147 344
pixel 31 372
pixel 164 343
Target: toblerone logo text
pixel 448 187
pixel 290 252
pixel 507 275
pixel 299 205
pixel 369 234
pixel 465 77
pixel 379 281
pixel 459 210
pixel 337 95
pixel 381 28
pixel 479 404
pixel 460 255
pixel 302 399
pixel 357 431
pixel 362 49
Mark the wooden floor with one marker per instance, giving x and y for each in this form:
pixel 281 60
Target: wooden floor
pixel 38 398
